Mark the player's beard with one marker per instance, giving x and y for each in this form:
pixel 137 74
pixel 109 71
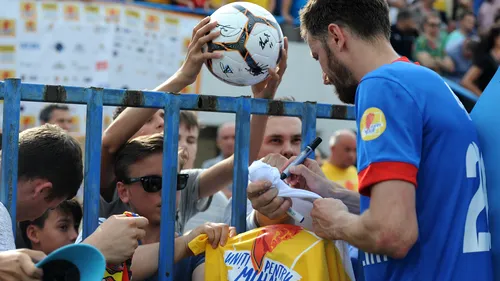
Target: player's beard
pixel 341 78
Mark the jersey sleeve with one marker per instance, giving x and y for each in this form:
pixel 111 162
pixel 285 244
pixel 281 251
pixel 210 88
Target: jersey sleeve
pixel 390 130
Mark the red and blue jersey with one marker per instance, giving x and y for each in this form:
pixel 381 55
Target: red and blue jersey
pixel 413 128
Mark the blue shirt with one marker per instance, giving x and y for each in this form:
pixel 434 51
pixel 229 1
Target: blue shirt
pixel 413 128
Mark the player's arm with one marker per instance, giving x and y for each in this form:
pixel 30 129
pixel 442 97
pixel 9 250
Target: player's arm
pixel 132 119
pixel 389 226
pixel 221 174
pixel 388 159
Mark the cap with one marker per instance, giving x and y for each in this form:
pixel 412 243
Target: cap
pixel 75 262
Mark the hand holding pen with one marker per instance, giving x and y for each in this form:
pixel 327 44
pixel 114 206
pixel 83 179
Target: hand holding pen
pixel 297 161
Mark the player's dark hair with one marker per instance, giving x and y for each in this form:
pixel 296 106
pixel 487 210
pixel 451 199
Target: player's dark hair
pixel 368 19
pixel 69 207
pixel 46 112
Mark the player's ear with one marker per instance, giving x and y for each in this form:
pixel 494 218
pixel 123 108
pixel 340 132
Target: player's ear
pixel 336 36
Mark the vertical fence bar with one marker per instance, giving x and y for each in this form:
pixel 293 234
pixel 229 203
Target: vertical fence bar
pixel 169 190
pixel 308 125
pixel 240 169
pixel 10 146
pixel 92 175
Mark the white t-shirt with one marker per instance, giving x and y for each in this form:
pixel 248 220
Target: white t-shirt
pixel 6 235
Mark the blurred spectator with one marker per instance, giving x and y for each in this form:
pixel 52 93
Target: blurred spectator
pixel 56 114
pixel 485 62
pixel 395 7
pixel 487 13
pixel 461 54
pixel 429 47
pixel 225 143
pixel 290 9
pixel 465 29
pixel 267 4
pixel 203 4
pixel 404 34
pixel 339 167
pixel 423 8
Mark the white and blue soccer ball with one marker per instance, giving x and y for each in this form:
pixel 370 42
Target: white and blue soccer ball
pixel 251 41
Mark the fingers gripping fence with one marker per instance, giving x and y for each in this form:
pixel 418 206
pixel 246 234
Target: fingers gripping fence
pixel 12 91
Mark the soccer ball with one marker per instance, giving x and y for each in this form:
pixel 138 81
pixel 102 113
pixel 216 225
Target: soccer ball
pixel 251 41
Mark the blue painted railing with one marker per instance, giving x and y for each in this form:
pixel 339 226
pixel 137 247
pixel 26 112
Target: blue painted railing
pixel 12 91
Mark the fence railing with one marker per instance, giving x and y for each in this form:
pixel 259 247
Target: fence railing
pixel 12 91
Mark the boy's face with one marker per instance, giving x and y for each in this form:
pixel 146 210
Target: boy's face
pixel 59 230
pixel 147 204
pixel 188 139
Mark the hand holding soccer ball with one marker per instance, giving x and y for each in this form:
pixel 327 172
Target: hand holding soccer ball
pixel 251 43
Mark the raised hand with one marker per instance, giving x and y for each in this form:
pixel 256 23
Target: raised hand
pixel 267 88
pixel 202 34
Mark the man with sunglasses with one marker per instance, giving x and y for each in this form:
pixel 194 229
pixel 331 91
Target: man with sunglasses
pixel 202 184
pixel 138 169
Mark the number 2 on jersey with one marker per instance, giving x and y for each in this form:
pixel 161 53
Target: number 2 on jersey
pixel 474 241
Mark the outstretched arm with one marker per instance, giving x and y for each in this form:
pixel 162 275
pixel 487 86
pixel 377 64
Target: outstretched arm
pixel 130 121
pixel 220 175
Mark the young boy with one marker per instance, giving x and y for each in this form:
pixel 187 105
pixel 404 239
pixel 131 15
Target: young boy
pixel 54 229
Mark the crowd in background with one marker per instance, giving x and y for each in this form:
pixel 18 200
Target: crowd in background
pixel 446 36
pixel 464 48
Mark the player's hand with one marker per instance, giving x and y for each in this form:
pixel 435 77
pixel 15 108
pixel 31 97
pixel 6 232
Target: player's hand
pixel 267 88
pixel 308 176
pixel 266 201
pixel 328 216
pixel 118 237
pixel 19 265
pixel 217 233
pixel 202 34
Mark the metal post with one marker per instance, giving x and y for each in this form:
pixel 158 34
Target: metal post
pixel 92 179
pixel 308 125
pixel 169 183
pixel 240 167
pixel 10 146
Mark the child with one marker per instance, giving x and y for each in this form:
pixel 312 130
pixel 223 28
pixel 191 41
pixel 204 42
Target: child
pixel 54 229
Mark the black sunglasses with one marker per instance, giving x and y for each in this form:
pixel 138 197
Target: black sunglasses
pixel 154 183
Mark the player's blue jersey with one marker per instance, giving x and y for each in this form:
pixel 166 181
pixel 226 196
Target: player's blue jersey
pixel 413 128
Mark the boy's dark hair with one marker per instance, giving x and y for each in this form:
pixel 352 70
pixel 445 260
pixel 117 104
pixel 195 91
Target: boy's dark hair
pixel 187 118
pixel 46 112
pixel 136 150
pixel 47 152
pixel 69 207
pixel 369 19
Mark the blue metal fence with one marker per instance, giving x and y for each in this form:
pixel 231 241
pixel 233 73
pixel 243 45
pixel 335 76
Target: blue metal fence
pixel 12 91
